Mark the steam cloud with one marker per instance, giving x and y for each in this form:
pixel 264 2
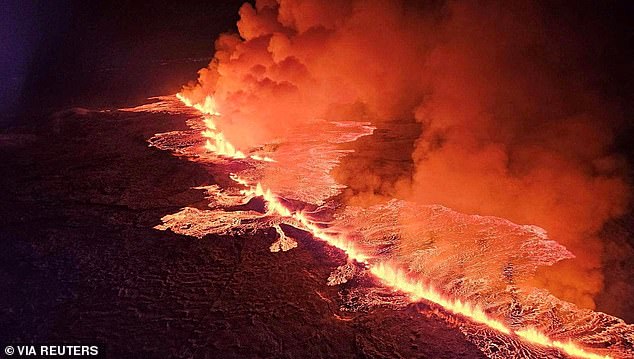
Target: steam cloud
pixel 513 116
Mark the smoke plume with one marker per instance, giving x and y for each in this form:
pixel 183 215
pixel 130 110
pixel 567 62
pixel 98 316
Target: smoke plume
pixel 510 99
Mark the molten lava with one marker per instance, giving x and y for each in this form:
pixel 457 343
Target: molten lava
pixel 390 274
pixel 397 278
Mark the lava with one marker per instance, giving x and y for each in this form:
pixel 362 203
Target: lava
pixel 389 274
pixel 533 335
pixel 397 279
pixel 216 142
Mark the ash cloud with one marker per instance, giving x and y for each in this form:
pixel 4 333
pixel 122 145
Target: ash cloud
pixel 511 98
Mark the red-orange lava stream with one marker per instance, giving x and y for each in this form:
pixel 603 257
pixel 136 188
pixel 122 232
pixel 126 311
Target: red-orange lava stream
pixel 390 275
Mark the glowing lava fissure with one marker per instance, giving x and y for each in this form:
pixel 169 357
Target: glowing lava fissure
pixel 389 274
pixel 215 139
pixel 398 279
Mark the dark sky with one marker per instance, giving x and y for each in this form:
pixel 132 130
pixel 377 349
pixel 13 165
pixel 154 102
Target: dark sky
pixel 96 53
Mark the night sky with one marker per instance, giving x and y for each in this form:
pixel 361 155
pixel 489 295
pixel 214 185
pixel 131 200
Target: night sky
pixel 98 53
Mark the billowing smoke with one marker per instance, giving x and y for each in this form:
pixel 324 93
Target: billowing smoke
pixel 513 127
pixel 309 59
pixel 513 114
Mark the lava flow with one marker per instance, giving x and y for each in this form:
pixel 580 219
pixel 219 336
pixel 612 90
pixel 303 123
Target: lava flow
pixel 397 278
pixel 389 274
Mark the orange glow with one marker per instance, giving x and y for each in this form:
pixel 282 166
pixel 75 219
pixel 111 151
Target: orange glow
pixel 390 275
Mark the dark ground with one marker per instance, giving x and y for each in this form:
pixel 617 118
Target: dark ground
pixel 81 263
